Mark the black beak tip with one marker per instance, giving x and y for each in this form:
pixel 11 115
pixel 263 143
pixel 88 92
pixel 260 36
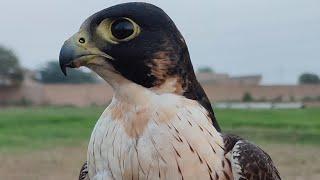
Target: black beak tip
pixel 66 56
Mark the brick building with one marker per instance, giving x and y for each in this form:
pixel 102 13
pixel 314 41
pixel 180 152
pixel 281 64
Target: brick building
pixel 219 88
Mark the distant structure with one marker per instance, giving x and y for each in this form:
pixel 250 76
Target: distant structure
pixel 4 81
pixel 219 88
pixel 29 91
pixel 224 79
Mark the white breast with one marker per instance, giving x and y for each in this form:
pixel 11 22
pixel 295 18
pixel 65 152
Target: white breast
pixel 167 137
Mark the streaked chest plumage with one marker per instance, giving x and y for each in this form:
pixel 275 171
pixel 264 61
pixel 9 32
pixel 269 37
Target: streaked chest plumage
pixel 167 137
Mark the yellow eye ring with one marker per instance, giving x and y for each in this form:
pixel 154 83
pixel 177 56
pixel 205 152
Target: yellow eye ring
pixel 118 30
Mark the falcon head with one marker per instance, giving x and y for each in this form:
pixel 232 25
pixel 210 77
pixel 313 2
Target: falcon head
pixel 135 42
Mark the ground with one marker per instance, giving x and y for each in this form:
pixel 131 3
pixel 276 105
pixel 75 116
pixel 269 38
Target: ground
pixel 50 142
pixel 295 162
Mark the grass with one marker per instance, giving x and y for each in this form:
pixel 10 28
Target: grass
pixel 43 127
pixel 293 126
pixel 37 127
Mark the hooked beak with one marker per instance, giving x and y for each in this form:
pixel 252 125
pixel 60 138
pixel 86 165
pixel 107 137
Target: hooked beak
pixel 66 57
pixel 76 52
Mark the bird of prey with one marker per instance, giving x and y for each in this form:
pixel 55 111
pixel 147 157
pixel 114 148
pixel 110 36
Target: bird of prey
pixel 159 124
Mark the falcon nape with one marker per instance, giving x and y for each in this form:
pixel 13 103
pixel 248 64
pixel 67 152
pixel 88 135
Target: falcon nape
pixel 160 124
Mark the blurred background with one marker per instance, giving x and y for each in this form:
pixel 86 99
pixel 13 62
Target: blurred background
pixel 258 61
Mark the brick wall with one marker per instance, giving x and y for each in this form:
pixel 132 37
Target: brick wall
pixel 77 94
pixel 269 93
pixel 101 94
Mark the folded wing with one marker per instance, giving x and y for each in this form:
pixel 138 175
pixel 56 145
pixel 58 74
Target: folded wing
pixel 248 161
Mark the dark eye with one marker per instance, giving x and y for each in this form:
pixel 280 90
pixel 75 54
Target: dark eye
pixel 122 28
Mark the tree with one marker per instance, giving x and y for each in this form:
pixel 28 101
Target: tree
pixel 247 97
pixel 205 69
pixel 309 78
pixel 11 73
pixel 51 73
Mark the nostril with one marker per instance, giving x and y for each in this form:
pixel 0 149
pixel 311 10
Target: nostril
pixel 82 40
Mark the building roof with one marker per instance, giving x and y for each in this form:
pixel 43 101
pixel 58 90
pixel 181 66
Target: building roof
pixel 221 78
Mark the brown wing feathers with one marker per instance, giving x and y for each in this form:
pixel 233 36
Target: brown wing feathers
pixel 249 161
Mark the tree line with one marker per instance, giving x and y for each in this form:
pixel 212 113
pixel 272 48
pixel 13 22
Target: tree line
pixel 12 73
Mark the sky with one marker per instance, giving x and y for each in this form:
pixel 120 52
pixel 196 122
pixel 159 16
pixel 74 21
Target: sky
pixel 279 39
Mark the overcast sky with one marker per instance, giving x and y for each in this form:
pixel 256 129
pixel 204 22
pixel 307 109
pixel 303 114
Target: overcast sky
pixel 279 39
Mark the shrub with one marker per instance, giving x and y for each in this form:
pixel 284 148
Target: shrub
pixel 247 97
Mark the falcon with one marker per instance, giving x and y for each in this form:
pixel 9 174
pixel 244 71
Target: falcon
pixel 159 124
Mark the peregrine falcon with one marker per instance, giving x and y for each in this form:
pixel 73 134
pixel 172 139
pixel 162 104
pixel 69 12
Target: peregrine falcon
pixel 160 123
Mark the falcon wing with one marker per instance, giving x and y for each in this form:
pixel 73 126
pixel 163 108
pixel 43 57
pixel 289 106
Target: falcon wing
pixel 84 172
pixel 249 162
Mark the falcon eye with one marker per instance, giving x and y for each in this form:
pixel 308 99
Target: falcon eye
pixel 122 29
pixel 118 30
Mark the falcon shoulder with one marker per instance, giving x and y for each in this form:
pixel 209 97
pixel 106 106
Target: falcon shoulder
pixel 248 161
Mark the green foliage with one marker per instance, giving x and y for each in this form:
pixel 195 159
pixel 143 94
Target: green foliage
pixel 20 102
pixel 42 127
pixel 311 99
pixel 10 69
pixel 51 73
pixel 309 78
pixel 292 99
pixel 205 69
pixel 247 97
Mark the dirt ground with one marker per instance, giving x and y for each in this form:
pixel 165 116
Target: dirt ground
pixel 295 162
